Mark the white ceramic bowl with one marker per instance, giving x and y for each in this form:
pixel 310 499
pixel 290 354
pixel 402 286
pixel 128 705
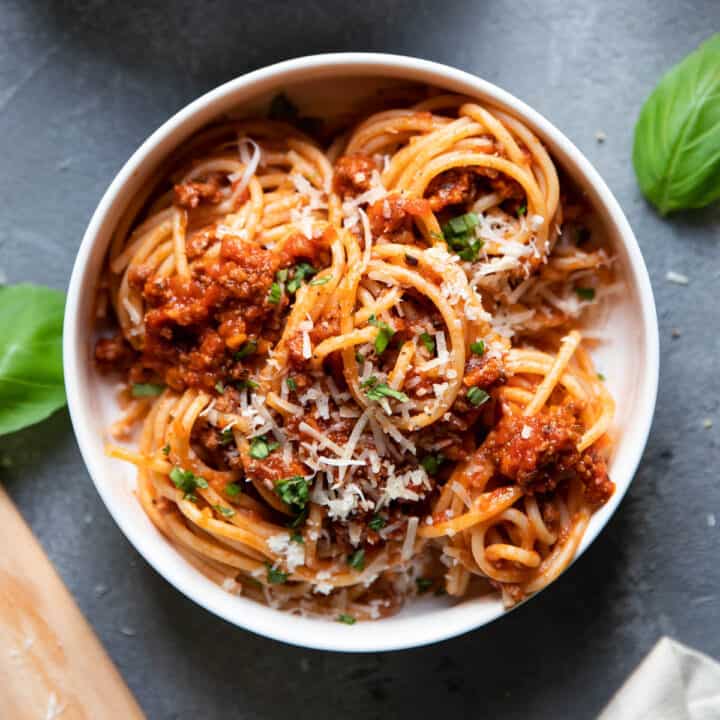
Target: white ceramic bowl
pixel 629 359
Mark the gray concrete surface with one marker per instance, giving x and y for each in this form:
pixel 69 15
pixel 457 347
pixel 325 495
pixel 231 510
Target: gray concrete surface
pixel 83 83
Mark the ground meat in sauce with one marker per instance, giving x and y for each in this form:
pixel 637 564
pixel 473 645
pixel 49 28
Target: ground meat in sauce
pixel 462 186
pixel 198 243
pixel 300 246
pixel 484 372
pixel 190 194
pixel 208 443
pixel 194 325
pixel 328 326
pixel 274 468
pixel 395 213
pixel 540 452
pixel 339 433
pixel 592 470
pixel 452 187
pixel 500 183
pixel 114 353
pixel 296 359
pixel 352 174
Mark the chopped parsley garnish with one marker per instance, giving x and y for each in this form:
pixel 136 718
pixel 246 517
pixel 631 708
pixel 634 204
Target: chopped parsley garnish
pixel 347 619
pixel 294 491
pixel 275 576
pixel 460 237
pixel 283 109
pixel 385 332
pixel 247 348
pixel 275 294
pixel 147 390
pixel 378 391
pixel 462 223
pixel 378 522
pixel 359 358
pixel 428 341
pixel 299 520
pixel 247 384
pixel 226 511
pixel 292 385
pixel 477 396
pixel 296 537
pixel 423 584
pixel 281 275
pixel 187 481
pixel 321 280
pixel 522 210
pixel 166 450
pixel 226 436
pixel 432 463
pixel 357 559
pixel 478 347
pixel 260 448
pixel 585 293
pixel 220 387
pixel 233 489
pixel 601 377
pixel 302 271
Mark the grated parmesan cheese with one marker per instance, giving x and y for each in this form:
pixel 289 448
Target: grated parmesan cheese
pixel 409 541
pixel 292 552
pixel 461 492
pixel 251 162
pixel 230 585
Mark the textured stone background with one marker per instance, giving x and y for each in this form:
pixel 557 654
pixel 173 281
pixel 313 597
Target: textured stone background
pixel 83 83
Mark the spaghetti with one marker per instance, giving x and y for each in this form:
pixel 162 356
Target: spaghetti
pixel 356 365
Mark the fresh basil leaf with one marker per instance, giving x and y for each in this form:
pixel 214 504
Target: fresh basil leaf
pixel 677 137
pixel 31 373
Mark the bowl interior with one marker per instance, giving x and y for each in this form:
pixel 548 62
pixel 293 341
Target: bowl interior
pixel 626 355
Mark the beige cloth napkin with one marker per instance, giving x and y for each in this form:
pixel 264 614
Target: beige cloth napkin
pixel 672 683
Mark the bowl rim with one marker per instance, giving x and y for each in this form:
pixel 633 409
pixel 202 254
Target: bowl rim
pixel 393 633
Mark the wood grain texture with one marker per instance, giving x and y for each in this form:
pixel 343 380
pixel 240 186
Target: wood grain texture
pixel 52 666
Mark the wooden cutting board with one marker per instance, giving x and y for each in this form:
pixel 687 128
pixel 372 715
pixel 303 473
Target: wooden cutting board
pixel 52 666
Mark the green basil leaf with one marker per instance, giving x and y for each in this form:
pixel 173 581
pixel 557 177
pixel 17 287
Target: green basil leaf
pixel 677 137
pixel 31 373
